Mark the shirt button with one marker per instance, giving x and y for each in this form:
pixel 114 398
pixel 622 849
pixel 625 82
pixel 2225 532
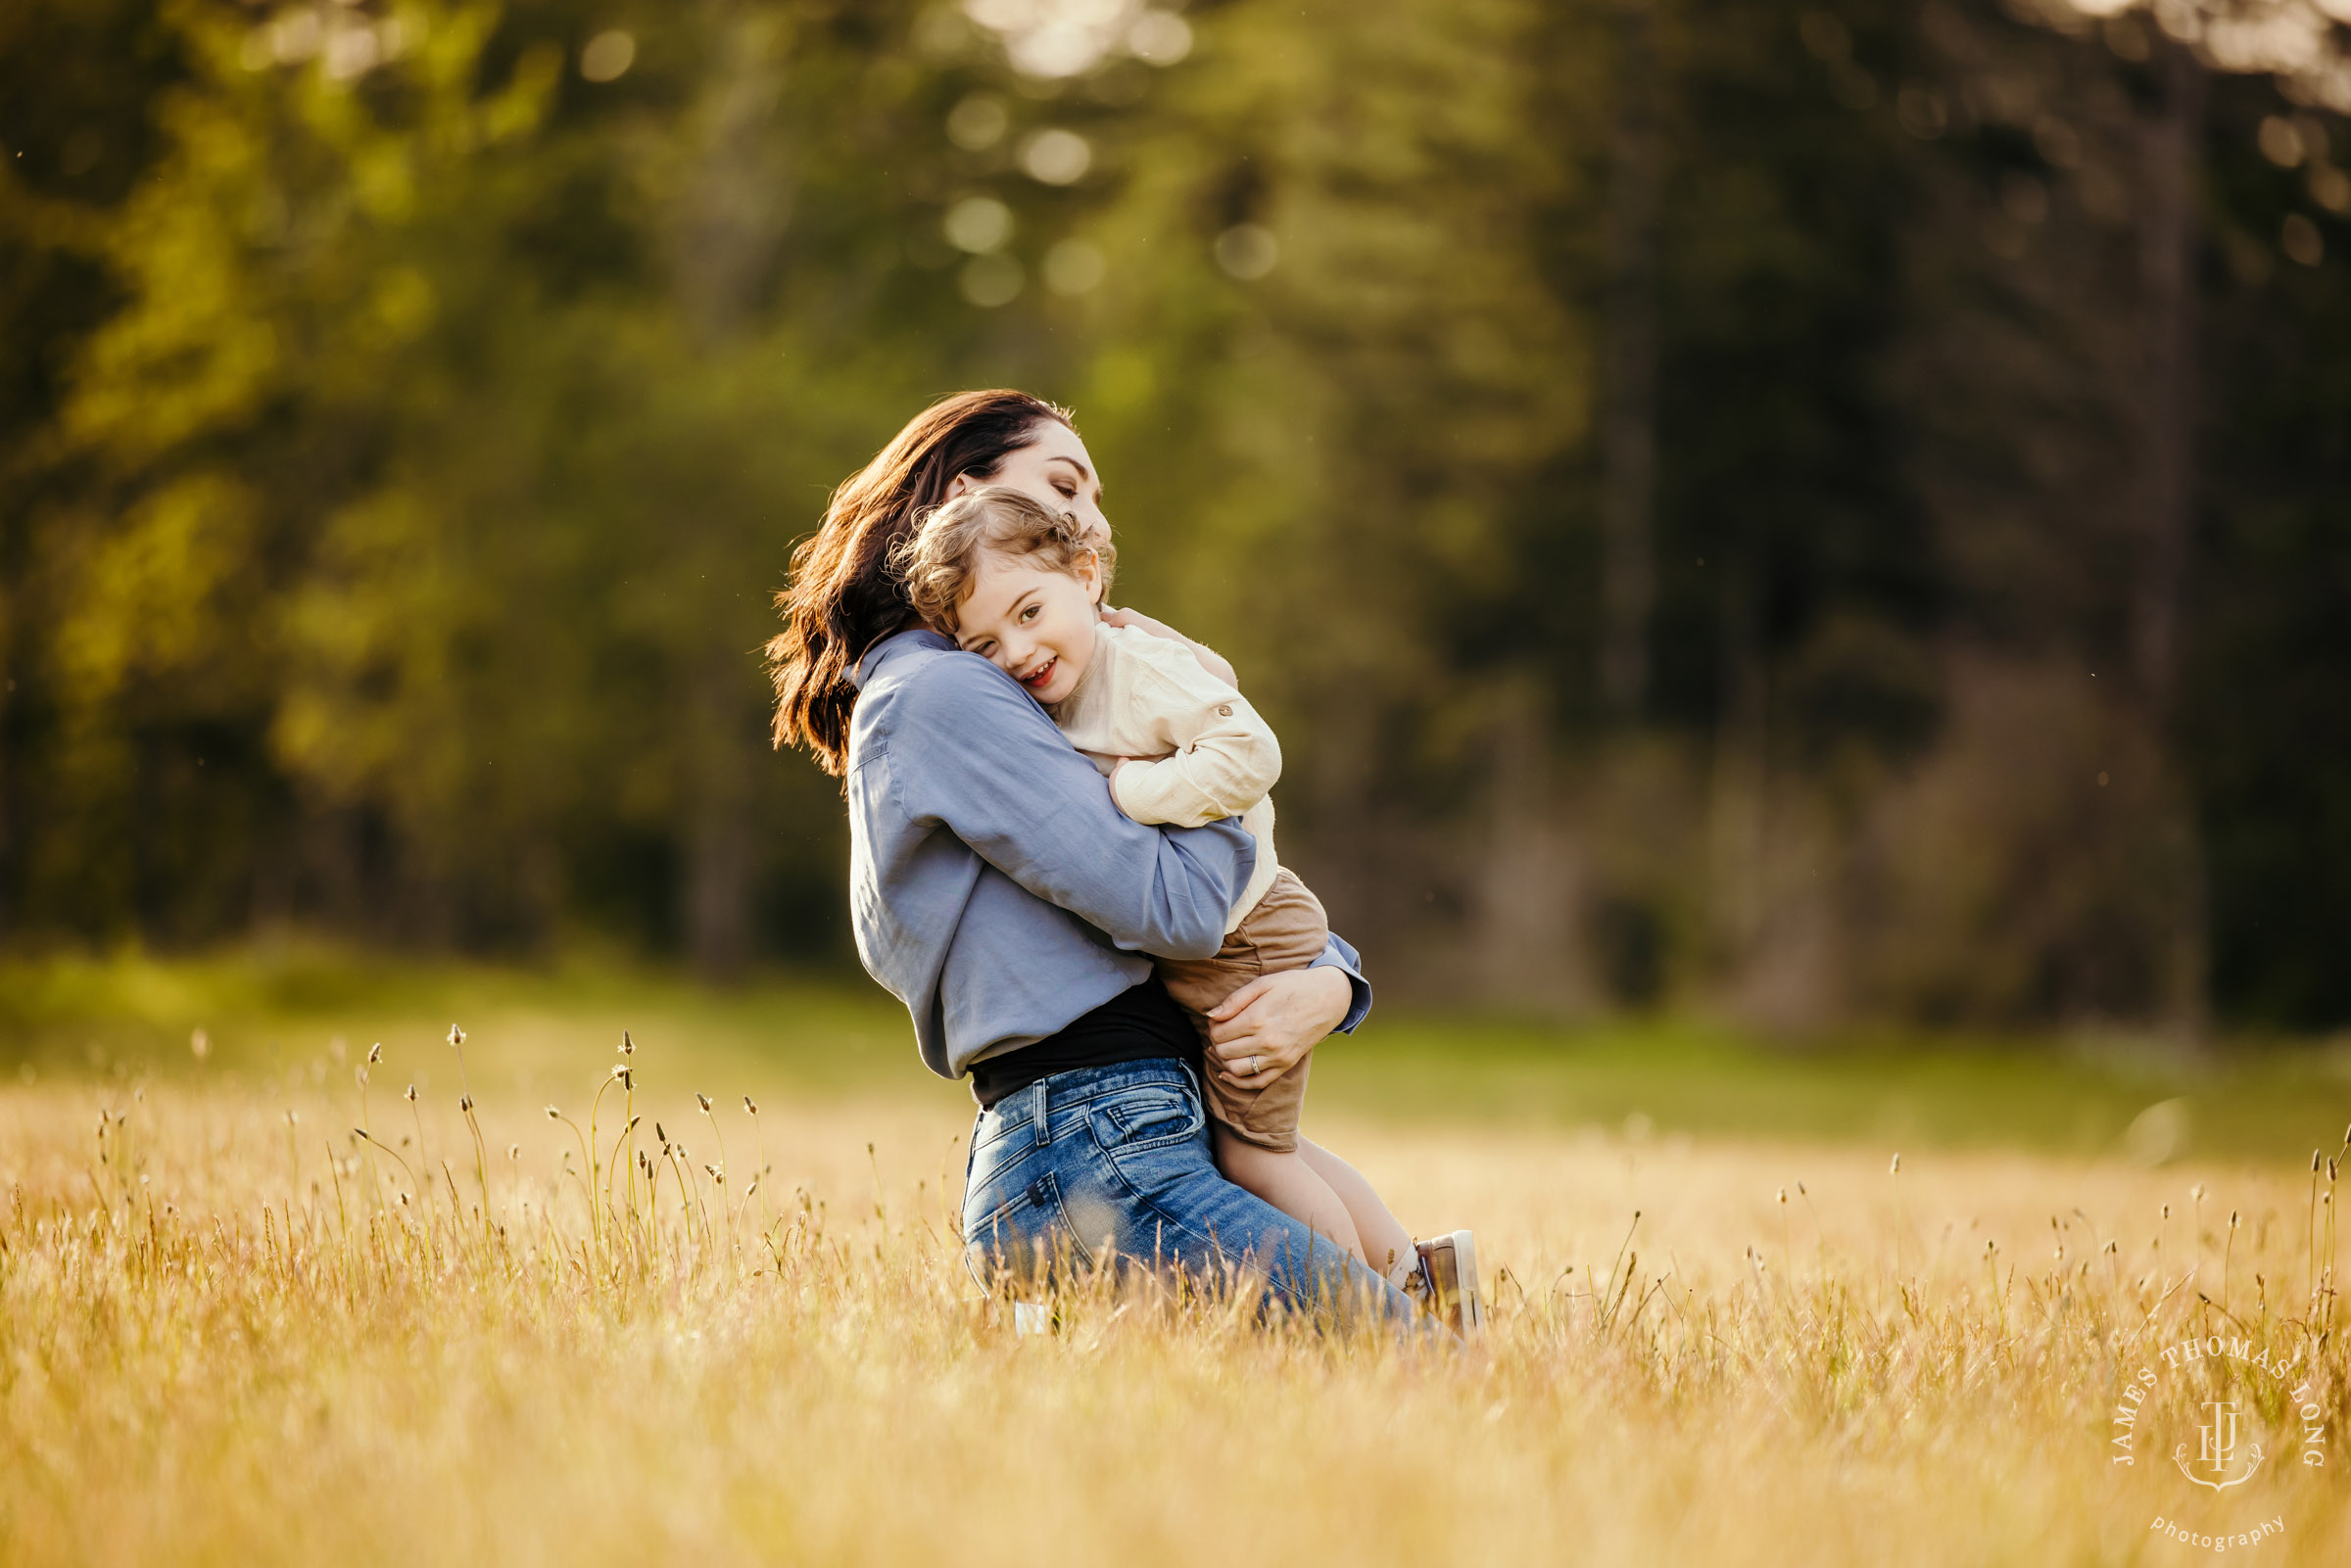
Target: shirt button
pixel 1226 709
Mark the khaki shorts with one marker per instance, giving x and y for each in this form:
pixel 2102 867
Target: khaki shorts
pixel 1286 931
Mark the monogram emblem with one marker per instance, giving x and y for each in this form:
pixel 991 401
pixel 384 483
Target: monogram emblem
pixel 2217 1450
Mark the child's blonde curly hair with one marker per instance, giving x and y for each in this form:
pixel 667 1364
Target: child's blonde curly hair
pixel 940 559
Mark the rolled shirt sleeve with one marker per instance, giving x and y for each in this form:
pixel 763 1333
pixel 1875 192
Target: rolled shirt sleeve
pixel 1338 953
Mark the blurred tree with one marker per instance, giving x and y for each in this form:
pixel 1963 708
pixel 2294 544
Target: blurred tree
pixel 1830 506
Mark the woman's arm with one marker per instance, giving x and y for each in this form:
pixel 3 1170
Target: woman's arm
pixel 972 752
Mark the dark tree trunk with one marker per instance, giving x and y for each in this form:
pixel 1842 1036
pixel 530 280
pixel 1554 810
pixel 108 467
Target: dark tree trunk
pixel 2168 241
pixel 720 847
pixel 1529 934
pixel 1628 367
pixel 1742 748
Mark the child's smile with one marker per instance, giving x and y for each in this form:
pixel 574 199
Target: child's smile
pixel 1035 622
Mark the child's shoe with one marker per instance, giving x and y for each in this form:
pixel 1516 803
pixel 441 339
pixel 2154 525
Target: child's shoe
pixel 1446 1284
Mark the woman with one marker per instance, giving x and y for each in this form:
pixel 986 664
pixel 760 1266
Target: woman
pixel 997 891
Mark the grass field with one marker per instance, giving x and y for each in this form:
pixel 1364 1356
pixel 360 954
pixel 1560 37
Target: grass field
pixel 231 1331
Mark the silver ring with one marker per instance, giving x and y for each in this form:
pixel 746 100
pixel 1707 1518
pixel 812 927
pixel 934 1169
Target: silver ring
pixel 1250 1072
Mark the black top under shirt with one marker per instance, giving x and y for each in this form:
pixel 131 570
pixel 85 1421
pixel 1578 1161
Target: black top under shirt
pixel 1141 1024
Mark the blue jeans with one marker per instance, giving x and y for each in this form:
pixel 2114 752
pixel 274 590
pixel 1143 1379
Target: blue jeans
pixel 1111 1166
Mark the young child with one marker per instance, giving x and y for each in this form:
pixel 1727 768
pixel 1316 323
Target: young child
pixel 1022 587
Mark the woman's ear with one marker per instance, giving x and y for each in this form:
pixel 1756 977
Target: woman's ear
pixel 960 485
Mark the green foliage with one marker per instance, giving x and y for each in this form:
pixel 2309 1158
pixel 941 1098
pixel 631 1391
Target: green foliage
pixel 407 410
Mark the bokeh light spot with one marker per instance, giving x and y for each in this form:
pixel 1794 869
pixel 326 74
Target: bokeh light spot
pixel 2301 240
pixel 1074 266
pixel 609 55
pixel 979 122
pixel 1247 252
pixel 979 225
pixel 1056 157
pixel 990 281
pixel 2280 143
pixel 1159 38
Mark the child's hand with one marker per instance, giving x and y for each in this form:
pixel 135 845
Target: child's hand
pixel 1112 779
pixel 1138 620
pixel 1210 660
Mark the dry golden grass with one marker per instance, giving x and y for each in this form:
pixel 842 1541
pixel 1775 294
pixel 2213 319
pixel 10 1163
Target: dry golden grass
pixel 224 1338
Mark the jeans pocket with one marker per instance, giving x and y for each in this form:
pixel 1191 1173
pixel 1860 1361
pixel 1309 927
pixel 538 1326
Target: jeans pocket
pixel 1149 1116
pixel 1027 1236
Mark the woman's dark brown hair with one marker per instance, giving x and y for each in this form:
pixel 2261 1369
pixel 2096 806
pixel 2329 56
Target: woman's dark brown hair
pixel 843 597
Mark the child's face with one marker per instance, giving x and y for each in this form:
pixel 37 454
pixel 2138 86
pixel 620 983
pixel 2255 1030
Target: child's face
pixel 1032 620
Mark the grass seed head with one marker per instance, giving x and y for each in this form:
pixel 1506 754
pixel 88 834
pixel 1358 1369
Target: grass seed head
pixel 749 1106
pixel 457 1036
pixel 1895 1169
pixel 554 1114
pixel 375 1052
pixel 410 1096
pixel 628 1047
pixel 702 1100
pixel 515 1151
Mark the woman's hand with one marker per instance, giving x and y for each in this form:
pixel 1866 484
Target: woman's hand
pixel 1267 1026
pixel 1210 660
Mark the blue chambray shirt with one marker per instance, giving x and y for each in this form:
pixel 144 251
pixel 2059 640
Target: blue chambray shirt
pixel 994 888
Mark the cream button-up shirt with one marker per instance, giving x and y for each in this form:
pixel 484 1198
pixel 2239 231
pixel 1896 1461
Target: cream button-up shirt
pixel 1205 752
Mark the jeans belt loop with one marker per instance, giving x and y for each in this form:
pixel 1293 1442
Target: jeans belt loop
pixel 1044 1132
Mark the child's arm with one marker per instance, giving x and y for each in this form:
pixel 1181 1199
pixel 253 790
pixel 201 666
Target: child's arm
pixel 1221 757
pixel 1209 658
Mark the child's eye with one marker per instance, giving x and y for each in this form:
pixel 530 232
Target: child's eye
pixel 1029 614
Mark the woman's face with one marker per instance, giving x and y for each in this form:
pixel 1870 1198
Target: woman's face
pixel 1055 471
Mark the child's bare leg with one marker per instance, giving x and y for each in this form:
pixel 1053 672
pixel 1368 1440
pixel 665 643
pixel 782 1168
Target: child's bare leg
pixel 1384 1240
pixel 1290 1185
